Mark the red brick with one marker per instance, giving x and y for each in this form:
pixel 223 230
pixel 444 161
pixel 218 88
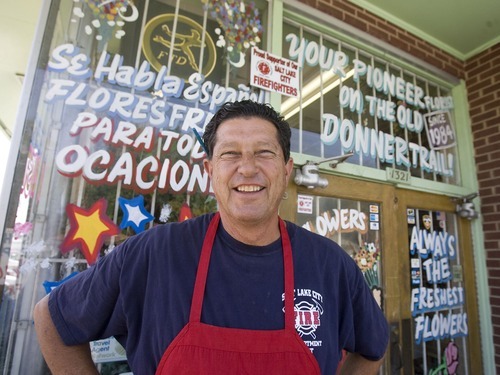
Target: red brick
pixel 483 175
pixel 495 320
pixel 480 100
pixel 480 85
pixel 491 227
pixel 494 263
pixel 486 149
pixel 494 218
pixel 367 17
pixel 492 123
pixel 484 192
pixel 495 155
pixel 475 110
pixel 378 33
pixel 494 282
pixel 490 100
pixel 483 158
pixel 329 9
pixel 388 27
pixel 479 141
pixel 347 7
pixel 489 201
pixel 486 132
pixel 417 52
pixel 454 71
pixel 492 182
pixel 477 70
pixel 492 236
pixel 470 64
pixel 398 43
pixel 405 37
pixel 356 22
pixel 495 309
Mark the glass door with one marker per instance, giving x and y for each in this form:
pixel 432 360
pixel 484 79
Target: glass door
pixel 439 309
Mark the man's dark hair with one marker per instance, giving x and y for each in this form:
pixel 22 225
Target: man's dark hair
pixel 247 109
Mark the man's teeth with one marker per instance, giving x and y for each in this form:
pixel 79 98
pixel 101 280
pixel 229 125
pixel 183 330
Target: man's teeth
pixel 248 188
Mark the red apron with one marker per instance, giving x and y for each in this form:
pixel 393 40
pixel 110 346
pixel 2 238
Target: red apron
pixel 201 348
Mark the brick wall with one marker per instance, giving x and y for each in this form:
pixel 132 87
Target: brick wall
pixel 482 77
pixel 483 86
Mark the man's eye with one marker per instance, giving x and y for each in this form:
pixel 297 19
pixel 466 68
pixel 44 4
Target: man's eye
pixel 266 154
pixel 229 155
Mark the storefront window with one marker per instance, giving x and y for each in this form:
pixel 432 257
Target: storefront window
pixel 354 225
pixel 389 117
pixel 109 146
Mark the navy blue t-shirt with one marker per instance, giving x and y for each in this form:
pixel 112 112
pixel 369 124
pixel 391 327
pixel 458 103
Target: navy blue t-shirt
pixel 141 294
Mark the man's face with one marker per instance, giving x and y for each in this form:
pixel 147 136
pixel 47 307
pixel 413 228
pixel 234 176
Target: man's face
pixel 248 170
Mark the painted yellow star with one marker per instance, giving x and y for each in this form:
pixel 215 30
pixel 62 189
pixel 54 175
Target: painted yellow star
pixel 88 229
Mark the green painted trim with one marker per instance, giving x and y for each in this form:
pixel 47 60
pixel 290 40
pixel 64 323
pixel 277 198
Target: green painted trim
pixel 483 298
pixel 408 27
pixel 469 177
pixel 464 137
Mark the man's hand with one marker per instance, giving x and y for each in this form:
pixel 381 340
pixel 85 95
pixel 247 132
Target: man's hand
pixel 60 358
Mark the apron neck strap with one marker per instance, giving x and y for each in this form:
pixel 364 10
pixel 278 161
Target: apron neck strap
pixel 201 275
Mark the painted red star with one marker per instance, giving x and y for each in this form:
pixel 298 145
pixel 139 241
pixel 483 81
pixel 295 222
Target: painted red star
pixel 88 229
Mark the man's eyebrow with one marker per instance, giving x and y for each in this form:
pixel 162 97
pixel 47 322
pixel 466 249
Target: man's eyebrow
pixel 226 144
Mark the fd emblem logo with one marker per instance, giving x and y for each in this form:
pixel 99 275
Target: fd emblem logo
pixel 308 318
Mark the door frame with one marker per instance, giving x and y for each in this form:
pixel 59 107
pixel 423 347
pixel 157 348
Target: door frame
pixel 393 202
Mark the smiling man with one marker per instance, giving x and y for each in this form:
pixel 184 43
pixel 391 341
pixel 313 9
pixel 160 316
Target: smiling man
pixel 238 291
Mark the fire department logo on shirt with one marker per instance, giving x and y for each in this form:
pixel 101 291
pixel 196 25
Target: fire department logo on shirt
pixel 307 318
pixel 308 308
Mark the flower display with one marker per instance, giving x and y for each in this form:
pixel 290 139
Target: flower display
pixel 367 258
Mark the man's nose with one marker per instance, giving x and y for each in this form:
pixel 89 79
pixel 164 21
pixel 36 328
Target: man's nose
pixel 248 164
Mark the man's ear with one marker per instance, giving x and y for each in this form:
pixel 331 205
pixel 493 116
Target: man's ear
pixel 207 164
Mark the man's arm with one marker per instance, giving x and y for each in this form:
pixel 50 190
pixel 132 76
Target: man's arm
pixel 60 358
pixel 356 364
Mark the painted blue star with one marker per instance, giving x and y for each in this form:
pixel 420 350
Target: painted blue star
pixel 135 214
pixel 50 285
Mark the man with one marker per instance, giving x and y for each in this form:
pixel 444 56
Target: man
pixel 215 294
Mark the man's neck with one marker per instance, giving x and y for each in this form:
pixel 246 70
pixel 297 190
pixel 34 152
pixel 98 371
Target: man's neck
pixel 257 234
